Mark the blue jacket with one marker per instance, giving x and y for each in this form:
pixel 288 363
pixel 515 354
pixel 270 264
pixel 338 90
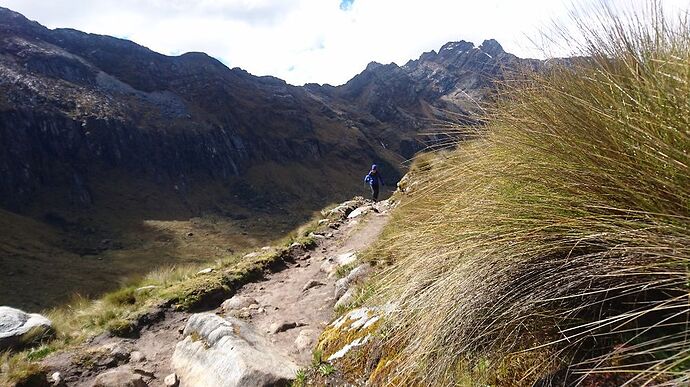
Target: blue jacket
pixel 373 178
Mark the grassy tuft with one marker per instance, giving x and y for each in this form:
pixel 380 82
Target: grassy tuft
pixel 555 247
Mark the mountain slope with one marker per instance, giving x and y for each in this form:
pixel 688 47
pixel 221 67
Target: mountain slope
pixel 121 152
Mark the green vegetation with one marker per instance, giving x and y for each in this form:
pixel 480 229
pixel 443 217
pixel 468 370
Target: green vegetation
pixel 186 288
pixel 554 247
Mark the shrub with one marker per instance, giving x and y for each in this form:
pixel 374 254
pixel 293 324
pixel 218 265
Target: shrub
pixel 556 246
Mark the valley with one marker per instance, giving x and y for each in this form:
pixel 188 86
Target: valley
pixel 117 161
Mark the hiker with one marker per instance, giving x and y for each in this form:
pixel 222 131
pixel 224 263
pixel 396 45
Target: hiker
pixel 373 178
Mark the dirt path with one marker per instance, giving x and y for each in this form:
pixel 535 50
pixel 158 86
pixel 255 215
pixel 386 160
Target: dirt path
pixel 281 299
pixel 285 300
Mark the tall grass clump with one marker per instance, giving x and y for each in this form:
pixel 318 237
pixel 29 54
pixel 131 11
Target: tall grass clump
pixel 555 248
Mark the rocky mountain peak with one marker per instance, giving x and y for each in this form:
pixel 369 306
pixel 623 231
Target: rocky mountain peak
pixel 492 47
pixel 373 66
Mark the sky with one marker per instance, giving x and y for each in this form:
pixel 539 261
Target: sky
pixel 302 41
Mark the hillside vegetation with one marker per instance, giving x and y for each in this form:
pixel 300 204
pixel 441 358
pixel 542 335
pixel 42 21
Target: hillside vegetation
pixel 553 249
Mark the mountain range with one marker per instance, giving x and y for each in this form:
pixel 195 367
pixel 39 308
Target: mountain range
pixel 99 135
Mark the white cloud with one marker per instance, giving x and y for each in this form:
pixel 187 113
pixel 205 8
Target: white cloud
pixel 305 40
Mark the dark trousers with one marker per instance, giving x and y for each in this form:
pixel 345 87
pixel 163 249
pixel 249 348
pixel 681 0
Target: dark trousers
pixel 375 191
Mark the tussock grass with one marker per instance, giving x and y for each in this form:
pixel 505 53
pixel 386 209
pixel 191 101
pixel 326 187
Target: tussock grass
pixel 555 248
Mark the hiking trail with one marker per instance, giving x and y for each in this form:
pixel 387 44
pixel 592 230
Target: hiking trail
pixel 289 307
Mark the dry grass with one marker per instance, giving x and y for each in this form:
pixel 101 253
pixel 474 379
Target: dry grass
pixel 555 248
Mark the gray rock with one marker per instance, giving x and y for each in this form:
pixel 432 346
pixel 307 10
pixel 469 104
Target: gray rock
pixel 237 302
pixel 359 212
pixel 311 284
pixel 56 379
pixel 208 270
pixel 357 275
pixel 346 298
pixel 228 352
pixel 304 340
pixel 341 287
pixel 171 380
pixel 283 326
pixel 18 328
pixel 136 357
pixel 119 377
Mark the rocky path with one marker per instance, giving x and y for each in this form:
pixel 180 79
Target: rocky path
pixel 287 310
pixel 304 295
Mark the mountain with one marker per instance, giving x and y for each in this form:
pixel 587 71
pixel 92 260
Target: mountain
pixel 107 146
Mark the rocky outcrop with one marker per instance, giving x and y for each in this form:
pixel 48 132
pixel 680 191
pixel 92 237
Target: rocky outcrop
pixel 18 328
pixel 228 352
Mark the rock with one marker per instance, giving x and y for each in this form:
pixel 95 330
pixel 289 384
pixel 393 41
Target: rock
pixel 208 270
pixel 18 328
pixel 341 287
pixel 145 288
pixel 266 248
pixel 317 236
pixel 171 380
pixel 311 284
pixel 304 340
pixel 295 245
pixel 322 221
pixel 120 352
pixel 189 234
pixel 119 377
pixel 251 255
pixel 359 212
pixel 137 357
pixel 346 298
pixel 56 379
pixel 346 259
pixel 237 302
pixel 228 352
pixel 329 235
pixel 282 326
pixel 355 276
pixel 328 267
pixel 359 273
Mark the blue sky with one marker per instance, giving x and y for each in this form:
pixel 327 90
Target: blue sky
pixel 323 41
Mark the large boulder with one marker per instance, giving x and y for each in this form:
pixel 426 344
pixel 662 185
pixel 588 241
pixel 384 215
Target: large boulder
pixel 18 328
pixel 228 352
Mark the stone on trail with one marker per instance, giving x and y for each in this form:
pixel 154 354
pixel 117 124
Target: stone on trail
pixel 171 380
pixel 19 328
pixel 228 352
pixel 237 302
pixel 283 326
pixel 119 377
pixel 136 357
pixel 346 259
pixel 311 284
pixel 304 340
pixel 360 211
